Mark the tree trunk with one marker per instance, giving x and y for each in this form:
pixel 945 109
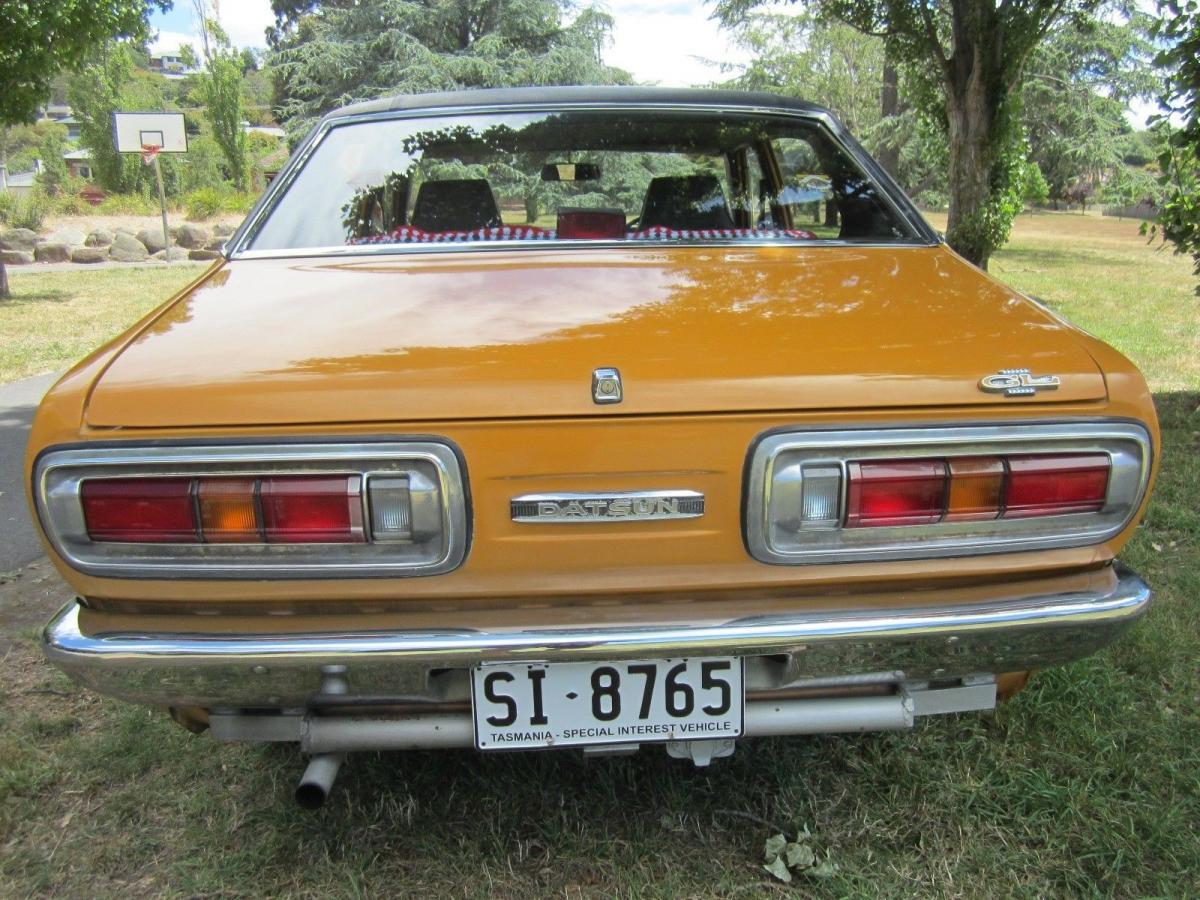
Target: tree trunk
pixel 889 153
pixel 5 293
pixel 831 214
pixel 971 114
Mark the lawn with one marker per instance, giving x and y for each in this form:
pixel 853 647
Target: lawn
pixel 57 316
pixel 1086 784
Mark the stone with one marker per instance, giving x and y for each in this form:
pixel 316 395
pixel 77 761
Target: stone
pixel 88 255
pixel 204 254
pixel 192 236
pixel 18 239
pixel 216 243
pixel 52 253
pixel 72 237
pixel 126 248
pixel 101 237
pixel 152 239
pixel 173 255
pixel 223 229
pixel 16 257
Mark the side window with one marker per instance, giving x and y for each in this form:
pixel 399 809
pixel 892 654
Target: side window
pixel 807 189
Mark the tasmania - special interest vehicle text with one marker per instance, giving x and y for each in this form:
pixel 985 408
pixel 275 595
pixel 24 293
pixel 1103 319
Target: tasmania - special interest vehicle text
pixel 586 417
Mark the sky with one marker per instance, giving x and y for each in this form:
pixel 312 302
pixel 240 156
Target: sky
pixel 638 40
pixel 657 41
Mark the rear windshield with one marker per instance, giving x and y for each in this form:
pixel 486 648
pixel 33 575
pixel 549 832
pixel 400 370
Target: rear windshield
pixel 641 175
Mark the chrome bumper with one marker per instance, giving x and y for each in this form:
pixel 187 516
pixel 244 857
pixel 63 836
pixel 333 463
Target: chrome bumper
pixel 798 649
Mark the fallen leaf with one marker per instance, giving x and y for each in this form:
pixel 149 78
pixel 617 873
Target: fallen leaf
pixel 799 856
pixel 779 870
pixel 773 847
pixel 826 869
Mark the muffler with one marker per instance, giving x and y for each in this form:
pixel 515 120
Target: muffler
pixel 317 780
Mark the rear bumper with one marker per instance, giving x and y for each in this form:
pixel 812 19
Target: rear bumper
pixel 800 649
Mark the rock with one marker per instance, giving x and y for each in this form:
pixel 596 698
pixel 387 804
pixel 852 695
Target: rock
pixel 126 248
pixel 99 238
pixel 192 236
pixel 89 255
pixel 216 243
pixel 173 255
pixel 72 237
pixel 16 257
pixel 18 239
pixel 152 239
pixel 223 229
pixel 49 252
pixel 125 229
pixel 204 254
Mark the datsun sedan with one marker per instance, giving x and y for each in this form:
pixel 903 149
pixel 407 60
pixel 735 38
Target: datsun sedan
pixel 587 418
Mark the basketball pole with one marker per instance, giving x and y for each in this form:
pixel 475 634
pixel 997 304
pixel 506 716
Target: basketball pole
pixel 162 203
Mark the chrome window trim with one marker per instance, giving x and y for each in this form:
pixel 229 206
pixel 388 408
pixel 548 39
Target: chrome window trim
pixel 59 473
pixel 238 247
pixel 1127 444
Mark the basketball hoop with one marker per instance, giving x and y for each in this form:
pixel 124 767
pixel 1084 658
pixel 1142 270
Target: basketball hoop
pixel 149 151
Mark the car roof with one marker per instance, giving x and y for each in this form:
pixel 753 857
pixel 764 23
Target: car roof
pixel 551 96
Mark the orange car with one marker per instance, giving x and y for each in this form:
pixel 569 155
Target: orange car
pixel 587 417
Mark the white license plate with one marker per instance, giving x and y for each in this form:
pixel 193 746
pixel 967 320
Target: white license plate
pixel 525 705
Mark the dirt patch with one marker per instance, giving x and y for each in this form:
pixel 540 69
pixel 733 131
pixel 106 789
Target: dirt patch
pixel 28 598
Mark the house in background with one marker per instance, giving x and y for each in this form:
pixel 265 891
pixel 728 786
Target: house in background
pixel 79 163
pixel 170 64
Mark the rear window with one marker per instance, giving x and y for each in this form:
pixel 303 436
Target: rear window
pixel 621 175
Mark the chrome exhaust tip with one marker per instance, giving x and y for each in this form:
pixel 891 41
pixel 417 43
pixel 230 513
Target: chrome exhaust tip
pixel 317 781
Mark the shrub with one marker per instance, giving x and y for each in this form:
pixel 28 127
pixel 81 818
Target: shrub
pixel 127 205
pixel 207 202
pixel 29 211
pixel 933 200
pixel 203 203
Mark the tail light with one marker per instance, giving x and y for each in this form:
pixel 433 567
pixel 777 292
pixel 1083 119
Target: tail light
pixel 262 511
pixel 591 223
pixel 905 493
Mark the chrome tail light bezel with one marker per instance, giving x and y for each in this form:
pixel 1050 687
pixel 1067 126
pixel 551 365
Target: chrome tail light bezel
pixel 60 472
pixel 772 472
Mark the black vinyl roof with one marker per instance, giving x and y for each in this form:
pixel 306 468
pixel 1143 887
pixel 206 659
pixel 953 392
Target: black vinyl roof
pixel 586 94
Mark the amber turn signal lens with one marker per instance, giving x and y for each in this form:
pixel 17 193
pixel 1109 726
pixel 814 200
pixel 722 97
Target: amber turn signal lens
pixel 976 489
pixel 228 512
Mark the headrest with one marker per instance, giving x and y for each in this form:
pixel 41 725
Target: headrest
pixel 686 201
pixel 461 204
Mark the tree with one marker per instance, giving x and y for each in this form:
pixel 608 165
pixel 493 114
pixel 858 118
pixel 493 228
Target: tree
pixel 1077 88
pixel 971 55
pixel 813 58
pixel 54 175
pixel 39 40
pixel 1179 222
pixel 220 88
pixel 368 49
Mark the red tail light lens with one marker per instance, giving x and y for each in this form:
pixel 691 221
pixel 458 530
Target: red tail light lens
pixel 139 510
pixel 895 492
pixel 1054 485
pixel 591 223
pixel 304 509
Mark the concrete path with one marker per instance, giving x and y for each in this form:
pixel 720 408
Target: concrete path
pixel 18 400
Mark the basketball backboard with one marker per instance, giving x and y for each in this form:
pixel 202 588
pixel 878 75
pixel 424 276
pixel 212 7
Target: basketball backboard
pixel 134 131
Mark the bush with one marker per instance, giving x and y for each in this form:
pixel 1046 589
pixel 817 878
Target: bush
pixel 127 205
pixel 202 204
pixel 932 200
pixel 28 211
pixel 207 202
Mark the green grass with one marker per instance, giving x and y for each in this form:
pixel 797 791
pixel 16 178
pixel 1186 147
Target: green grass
pixel 1086 784
pixel 57 317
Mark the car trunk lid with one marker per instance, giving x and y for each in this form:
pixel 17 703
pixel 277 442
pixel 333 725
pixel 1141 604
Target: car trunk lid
pixel 518 334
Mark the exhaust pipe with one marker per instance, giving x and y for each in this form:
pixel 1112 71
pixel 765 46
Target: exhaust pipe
pixel 317 780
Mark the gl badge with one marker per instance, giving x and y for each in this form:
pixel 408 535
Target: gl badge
pixel 606 386
pixel 1018 383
